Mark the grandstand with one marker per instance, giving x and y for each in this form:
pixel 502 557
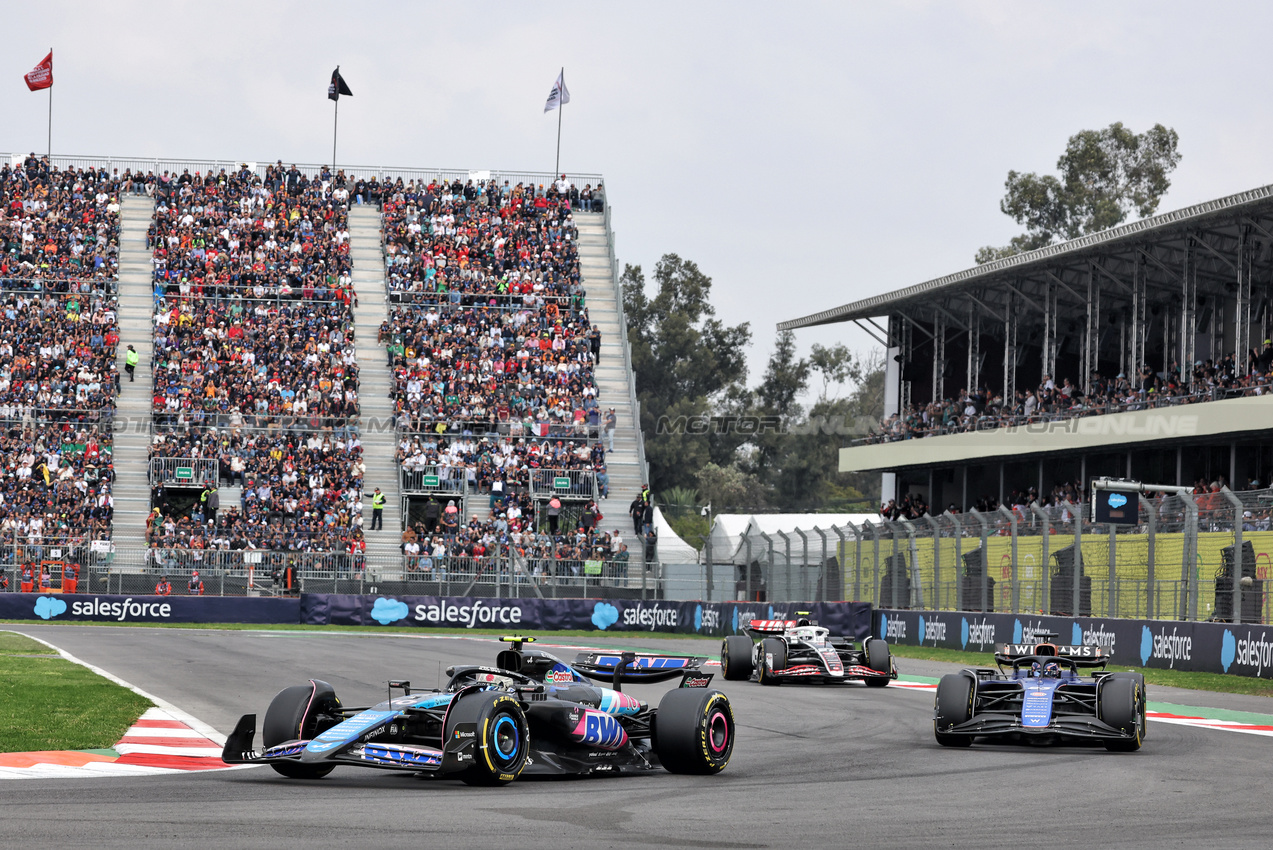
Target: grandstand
pixel 1142 351
pixel 1139 352
pixel 307 335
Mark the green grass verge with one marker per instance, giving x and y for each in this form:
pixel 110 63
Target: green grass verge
pixel 1218 682
pixel 48 703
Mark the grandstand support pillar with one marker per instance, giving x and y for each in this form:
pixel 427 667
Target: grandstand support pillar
pixel 1188 315
pixel 1242 315
pixel 916 599
pixel 939 358
pixel 905 332
pixel 974 348
pixel 1139 328
pixel 1010 325
pixel 1092 334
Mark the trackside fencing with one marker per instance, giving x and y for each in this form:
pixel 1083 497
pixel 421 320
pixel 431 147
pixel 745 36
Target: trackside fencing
pixel 1177 563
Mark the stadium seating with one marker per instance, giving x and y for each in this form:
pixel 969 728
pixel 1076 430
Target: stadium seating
pixel 59 246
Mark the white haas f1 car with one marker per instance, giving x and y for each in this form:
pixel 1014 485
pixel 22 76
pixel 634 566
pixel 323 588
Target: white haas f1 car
pixel 777 651
pixel 1041 698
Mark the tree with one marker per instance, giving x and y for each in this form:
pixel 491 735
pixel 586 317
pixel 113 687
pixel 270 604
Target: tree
pixel 684 360
pixel 808 476
pixel 786 377
pixel 1105 176
pixel 728 488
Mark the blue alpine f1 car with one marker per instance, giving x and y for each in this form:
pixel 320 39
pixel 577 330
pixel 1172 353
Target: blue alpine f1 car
pixel 530 714
pixel 1037 695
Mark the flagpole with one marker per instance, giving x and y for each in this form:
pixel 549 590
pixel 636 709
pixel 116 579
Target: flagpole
pixel 561 107
pixel 335 116
pixel 50 148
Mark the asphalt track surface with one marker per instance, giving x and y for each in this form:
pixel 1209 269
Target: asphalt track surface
pixel 812 767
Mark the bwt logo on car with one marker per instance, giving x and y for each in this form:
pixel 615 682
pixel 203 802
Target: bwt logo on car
pixel 1171 647
pixel 468 615
pixel 651 617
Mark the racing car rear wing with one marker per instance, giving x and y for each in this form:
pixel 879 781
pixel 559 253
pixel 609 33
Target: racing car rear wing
pixel 769 627
pixel 638 667
pixel 1082 656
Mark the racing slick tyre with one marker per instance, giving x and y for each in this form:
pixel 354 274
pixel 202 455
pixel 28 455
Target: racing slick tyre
pixel 500 732
pixel 1121 704
pixel 878 657
pixel 773 656
pixel 301 713
pixel 694 731
pixel 735 658
pixel 953 706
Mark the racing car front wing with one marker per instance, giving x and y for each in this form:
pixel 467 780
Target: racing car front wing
pixel 1004 723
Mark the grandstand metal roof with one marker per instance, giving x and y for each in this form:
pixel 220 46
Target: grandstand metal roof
pixel 1245 207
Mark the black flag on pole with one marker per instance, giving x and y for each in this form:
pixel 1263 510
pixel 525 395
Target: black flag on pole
pixel 337 87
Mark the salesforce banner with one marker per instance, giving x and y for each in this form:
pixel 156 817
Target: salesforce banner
pixel 628 615
pixel 1243 650
pixel 96 608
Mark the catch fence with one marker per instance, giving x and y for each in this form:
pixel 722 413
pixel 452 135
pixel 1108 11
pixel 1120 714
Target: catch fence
pixel 1178 562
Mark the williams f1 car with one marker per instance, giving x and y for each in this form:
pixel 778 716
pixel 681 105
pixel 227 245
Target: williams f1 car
pixel 1037 694
pixel 529 714
pixel 777 651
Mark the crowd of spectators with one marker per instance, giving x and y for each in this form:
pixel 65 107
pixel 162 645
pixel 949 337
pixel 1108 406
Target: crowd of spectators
pixel 59 228
pixel 59 254
pixel 488 465
pixel 55 486
pixel 301 491
pixel 254 332
pixel 982 409
pixel 259 359
pixel 442 547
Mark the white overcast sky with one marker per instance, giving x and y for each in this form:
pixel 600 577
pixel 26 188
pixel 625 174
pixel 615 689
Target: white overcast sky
pixel 803 154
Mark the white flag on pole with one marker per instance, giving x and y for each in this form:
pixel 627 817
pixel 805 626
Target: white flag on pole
pixel 559 95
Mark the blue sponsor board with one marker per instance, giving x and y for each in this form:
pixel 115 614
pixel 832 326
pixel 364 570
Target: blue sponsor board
pixel 1244 650
pixel 101 607
pixel 705 618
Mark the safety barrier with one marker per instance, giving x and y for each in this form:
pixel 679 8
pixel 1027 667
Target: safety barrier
pixel 1179 561
pixel 1243 650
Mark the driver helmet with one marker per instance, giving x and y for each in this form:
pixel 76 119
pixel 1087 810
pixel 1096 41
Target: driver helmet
pixel 1036 669
pixel 1052 670
pixel 804 621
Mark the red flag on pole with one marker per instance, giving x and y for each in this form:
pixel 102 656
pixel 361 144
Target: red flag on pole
pixel 41 76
